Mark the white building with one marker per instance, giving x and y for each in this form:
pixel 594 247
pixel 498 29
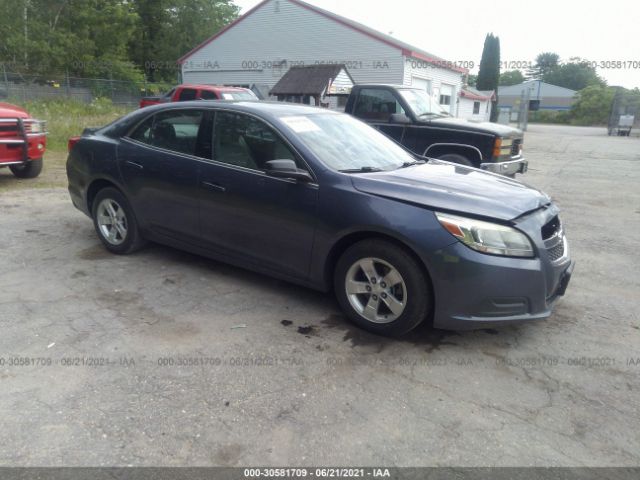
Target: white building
pixel 475 105
pixel 260 46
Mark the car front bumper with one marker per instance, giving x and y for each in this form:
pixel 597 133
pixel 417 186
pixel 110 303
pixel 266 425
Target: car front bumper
pixel 475 290
pixel 510 167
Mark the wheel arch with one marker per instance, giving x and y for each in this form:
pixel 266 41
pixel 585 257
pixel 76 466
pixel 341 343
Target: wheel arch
pixel 95 186
pixel 346 241
pixel 468 151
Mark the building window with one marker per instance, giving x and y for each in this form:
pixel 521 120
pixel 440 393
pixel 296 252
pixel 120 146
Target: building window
pixel 342 101
pixel 445 99
pixel 476 108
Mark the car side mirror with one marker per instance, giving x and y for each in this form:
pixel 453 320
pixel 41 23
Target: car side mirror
pixel 399 118
pixel 287 169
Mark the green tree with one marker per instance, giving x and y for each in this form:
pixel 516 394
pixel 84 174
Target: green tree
pixel 512 77
pixel 592 105
pixel 575 74
pixel 167 30
pixel 545 63
pixel 489 72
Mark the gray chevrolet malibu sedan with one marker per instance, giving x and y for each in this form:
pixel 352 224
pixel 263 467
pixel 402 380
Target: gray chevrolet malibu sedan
pixel 321 199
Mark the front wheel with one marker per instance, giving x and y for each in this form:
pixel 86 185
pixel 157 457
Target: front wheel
pixel 29 169
pixel 381 287
pixel 115 222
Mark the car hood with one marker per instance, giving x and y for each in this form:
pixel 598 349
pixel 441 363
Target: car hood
pixel 488 127
pixel 444 186
pixel 12 111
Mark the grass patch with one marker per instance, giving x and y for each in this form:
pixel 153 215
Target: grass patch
pixel 66 118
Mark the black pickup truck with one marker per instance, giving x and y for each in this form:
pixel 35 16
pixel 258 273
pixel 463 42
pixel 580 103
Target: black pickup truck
pixel 414 119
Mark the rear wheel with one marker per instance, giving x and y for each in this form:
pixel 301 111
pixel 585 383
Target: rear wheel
pixel 115 222
pixel 29 169
pixel 381 287
pixel 456 158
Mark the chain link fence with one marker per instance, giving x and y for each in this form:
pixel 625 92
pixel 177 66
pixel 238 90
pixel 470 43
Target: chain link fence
pixel 20 88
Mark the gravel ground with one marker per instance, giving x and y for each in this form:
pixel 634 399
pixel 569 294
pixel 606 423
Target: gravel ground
pixel 166 358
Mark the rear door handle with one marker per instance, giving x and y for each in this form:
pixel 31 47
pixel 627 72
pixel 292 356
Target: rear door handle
pixel 213 186
pixel 134 164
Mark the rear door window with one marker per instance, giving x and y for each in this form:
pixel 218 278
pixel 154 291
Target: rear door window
pixel 181 131
pixel 187 94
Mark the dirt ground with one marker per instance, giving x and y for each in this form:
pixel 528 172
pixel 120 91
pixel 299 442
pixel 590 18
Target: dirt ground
pixel 166 358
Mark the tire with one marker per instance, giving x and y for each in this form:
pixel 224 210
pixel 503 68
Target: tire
pixel 361 296
pixel 110 206
pixel 31 169
pixel 455 158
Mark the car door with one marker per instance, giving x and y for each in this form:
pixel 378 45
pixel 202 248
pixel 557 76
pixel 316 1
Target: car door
pixel 159 163
pixel 266 221
pixel 375 106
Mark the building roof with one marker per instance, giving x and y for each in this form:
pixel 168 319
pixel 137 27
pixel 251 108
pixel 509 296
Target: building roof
pixel 473 94
pixel 538 89
pixel 406 49
pixel 308 80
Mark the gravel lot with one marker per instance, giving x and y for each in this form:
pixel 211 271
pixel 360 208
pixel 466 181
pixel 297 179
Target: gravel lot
pixel 166 358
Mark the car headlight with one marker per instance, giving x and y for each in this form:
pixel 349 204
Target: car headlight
pixel 36 126
pixel 487 237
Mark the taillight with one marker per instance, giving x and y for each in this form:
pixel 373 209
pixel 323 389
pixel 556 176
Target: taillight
pixel 72 141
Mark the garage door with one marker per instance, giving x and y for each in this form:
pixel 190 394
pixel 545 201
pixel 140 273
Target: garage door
pixel 446 96
pixel 422 83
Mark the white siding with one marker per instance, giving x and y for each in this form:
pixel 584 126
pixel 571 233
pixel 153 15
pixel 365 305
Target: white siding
pixel 465 110
pixel 419 69
pixel 280 30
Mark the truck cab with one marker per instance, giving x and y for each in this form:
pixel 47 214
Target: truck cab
pixel 411 117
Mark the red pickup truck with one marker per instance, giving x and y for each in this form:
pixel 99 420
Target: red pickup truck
pixel 23 141
pixel 183 93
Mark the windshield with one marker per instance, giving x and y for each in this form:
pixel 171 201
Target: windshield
pixel 343 143
pixel 422 103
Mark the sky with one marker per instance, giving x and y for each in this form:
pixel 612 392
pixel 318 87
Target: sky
pixel 599 32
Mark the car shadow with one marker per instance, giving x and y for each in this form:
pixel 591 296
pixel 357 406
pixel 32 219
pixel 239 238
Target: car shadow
pixel 425 337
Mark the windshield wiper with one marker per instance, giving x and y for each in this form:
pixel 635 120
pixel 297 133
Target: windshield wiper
pixel 433 114
pixel 410 164
pixel 361 170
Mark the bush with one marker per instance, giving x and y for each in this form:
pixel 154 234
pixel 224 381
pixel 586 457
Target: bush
pixel 549 116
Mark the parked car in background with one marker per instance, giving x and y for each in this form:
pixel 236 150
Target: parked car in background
pixel 319 198
pixel 410 116
pixel 186 92
pixel 23 141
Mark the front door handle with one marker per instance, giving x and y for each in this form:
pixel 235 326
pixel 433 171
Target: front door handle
pixel 134 164
pixel 213 186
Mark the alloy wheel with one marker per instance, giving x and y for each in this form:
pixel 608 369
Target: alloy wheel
pixel 112 221
pixel 376 290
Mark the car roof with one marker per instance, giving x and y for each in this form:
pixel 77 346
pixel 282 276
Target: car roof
pixel 273 108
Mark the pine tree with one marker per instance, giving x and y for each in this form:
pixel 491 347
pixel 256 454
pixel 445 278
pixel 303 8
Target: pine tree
pixel 489 73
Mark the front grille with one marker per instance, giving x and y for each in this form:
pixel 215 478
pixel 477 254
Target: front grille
pixel 555 253
pixel 551 228
pixel 515 147
pixel 8 129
